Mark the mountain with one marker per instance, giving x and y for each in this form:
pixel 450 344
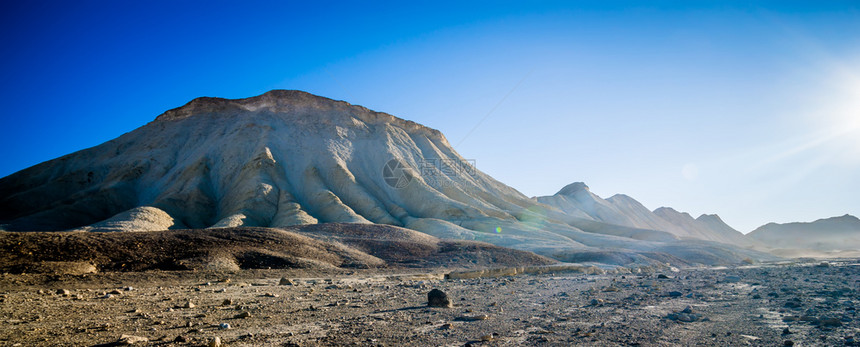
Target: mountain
pixel 576 199
pixel 705 227
pixel 836 233
pixel 718 227
pixel 289 158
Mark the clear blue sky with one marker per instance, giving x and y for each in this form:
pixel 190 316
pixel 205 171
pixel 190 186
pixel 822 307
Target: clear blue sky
pixel 748 111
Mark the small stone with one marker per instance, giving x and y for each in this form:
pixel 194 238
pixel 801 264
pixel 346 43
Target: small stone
pixel 285 282
pixel 662 277
pixel 224 326
pixel 115 292
pixel 688 309
pixel 215 342
pixel 789 319
pixel 271 295
pixel 830 322
pixel 227 302
pixel 438 298
pixel 189 304
pixel 683 317
pixel 131 339
pixel 786 331
pixel 596 302
pixel 793 304
pixel 62 291
pixel 674 294
pixel 788 343
pixel 487 338
pixel 732 278
pixel 245 314
pixel 181 339
pixel 473 318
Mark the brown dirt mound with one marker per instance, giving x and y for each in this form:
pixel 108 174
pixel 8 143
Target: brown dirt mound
pixel 321 246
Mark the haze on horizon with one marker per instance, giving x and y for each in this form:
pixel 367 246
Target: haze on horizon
pixel 746 111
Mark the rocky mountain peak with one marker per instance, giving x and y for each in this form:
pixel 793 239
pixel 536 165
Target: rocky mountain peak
pixel 294 103
pixel 573 188
pixel 710 217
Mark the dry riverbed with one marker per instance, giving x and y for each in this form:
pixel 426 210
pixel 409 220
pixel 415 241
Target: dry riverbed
pixel 783 304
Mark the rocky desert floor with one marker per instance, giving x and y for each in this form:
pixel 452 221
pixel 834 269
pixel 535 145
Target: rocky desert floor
pixel 796 303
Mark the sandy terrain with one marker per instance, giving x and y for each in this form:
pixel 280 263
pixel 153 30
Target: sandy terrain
pixel 738 306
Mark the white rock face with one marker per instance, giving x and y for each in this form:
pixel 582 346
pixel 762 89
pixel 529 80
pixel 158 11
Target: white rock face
pixel 144 218
pixel 290 158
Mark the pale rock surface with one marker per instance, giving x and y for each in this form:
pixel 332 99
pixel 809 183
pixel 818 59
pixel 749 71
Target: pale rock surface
pixel 143 218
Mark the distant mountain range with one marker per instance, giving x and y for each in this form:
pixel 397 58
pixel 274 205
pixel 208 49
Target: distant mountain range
pixel 836 233
pixel 577 200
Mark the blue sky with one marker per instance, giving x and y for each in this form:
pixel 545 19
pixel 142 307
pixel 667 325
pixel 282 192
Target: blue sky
pixel 750 111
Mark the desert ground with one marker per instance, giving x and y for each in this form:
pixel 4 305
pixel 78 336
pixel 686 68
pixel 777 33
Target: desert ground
pixel 800 303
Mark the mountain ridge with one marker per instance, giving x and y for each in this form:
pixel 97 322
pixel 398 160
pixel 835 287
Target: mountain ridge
pixel 825 234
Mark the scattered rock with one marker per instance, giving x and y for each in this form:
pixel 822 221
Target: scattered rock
pixel 788 343
pixel 286 282
pixel 131 339
pixel 596 302
pixel 62 291
pixel 215 342
pixel 224 326
pixel 786 331
pixel 181 339
pixel 241 315
pixel 438 298
pixel 189 304
pixel 227 302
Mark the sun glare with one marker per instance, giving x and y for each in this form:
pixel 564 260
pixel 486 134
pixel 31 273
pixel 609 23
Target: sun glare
pixel 838 114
